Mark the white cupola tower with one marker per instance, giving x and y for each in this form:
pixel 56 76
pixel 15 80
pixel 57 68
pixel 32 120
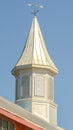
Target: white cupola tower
pixel 34 73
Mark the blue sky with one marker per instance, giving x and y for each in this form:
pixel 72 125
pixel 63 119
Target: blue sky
pixel 56 22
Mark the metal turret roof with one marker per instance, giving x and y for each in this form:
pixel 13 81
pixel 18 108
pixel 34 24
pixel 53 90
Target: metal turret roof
pixel 35 52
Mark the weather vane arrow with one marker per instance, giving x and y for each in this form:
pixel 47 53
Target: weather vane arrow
pixel 35 8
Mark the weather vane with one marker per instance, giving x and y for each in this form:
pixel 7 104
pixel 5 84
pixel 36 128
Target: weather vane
pixel 35 8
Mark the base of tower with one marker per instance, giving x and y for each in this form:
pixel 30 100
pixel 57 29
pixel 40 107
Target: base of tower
pixel 44 109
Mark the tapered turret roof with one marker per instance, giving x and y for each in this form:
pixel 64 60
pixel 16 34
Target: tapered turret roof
pixel 35 52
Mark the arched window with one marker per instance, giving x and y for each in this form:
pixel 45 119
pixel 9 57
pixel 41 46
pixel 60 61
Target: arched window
pixel 17 88
pixel 25 86
pixel 22 87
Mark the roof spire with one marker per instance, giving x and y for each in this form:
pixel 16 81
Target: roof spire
pixel 35 6
pixel 35 52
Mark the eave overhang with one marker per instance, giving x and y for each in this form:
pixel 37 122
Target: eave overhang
pixel 16 69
